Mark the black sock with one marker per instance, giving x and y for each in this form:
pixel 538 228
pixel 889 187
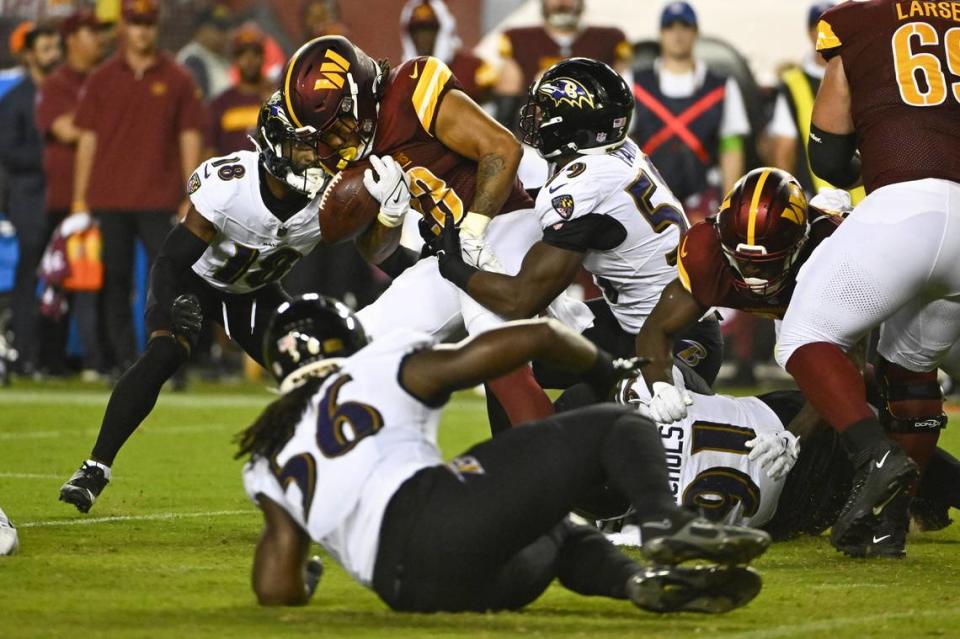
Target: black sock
pixel 499 420
pixel 636 465
pixel 863 438
pixel 135 395
pixel 588 564
pixel 577 396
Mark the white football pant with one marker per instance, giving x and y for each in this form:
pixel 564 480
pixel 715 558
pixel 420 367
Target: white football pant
pixel 895 260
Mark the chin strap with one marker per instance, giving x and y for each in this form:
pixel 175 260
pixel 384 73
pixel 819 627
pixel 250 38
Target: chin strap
pixel 310 183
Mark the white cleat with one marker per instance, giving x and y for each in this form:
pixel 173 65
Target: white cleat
pixel 8 536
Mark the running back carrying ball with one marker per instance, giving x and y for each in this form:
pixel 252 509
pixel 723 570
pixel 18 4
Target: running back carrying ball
pixel 346 207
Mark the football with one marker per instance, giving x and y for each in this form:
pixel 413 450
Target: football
pixel 346 207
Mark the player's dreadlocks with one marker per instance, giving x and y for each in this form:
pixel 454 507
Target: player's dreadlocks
pixel 273 429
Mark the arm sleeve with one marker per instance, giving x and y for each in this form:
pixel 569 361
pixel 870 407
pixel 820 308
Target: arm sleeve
pixel 589 232
pixel 735 121
pixel 179 252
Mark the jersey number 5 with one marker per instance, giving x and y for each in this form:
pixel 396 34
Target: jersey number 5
pixel 913 67
pixel 659 217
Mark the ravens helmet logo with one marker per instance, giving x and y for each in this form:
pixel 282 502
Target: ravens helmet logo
pixel 567 91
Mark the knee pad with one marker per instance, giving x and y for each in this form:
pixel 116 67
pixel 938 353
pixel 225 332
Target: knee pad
pixel 910 402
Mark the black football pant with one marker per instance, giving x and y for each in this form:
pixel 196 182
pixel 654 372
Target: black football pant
pixel 119 231
pixel 488 532
pixel 244 318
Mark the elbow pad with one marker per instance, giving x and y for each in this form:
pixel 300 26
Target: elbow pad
pixel 834 157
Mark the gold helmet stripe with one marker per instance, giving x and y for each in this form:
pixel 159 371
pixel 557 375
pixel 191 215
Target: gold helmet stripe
pixel 754 205
pixel 286 84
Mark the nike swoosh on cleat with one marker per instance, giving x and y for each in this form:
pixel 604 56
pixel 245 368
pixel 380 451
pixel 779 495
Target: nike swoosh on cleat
pixel 883 460
pixel 879 507
pixel 877 540
pixel 664 524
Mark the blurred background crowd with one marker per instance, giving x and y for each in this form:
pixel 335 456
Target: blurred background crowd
pixel 107 106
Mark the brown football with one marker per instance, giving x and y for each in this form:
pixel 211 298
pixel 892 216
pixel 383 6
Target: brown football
pixel 346 207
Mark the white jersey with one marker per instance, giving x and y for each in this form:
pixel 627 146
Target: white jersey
pixel 707 460
pixel 252 246
pixel 630 225
pixel 361 436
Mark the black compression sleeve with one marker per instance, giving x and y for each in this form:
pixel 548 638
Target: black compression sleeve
pixel 179 252
pixel 834 157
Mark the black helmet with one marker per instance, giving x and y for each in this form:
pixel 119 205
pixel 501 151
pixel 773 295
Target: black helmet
pixel 306 331
pixel 274 139
pixel 579 105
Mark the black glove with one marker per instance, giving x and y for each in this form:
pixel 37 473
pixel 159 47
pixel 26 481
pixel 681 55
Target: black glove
pixel 607 372
pixel 446 247
pixel 314 572
pixel 186 318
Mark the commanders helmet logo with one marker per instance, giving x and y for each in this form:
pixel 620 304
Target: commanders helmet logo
pixel 334 68
pixel 796 209
pixel 567 91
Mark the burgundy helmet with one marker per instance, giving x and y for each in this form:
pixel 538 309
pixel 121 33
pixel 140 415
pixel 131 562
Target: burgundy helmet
pixel 331 90
pixel 763 226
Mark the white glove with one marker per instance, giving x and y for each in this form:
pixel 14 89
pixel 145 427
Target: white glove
pixel 833 201
pixel 390 187
pixel 475 252
pixel 776 452
pixel 669 403
pixel 75 223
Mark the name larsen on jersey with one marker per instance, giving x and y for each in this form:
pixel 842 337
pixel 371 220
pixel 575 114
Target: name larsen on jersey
pixel 672 437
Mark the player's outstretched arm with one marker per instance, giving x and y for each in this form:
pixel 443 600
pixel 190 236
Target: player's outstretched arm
pixel 280 560
pixel 675 311
pixel 431 375
pixel 378 242
pixel 545 272
pixel 464 127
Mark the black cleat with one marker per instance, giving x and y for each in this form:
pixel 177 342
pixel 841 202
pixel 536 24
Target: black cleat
pixel 889 538
pixel 701 589
pixel 876 482
pixel 83 488
pixel 702 539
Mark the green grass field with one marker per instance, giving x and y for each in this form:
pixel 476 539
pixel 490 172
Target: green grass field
pixel 166 552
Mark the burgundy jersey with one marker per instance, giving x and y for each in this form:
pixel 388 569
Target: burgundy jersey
pixel 705 272
pixel 902 61
pixel 441 180
pixel 233 117
pixel 535 51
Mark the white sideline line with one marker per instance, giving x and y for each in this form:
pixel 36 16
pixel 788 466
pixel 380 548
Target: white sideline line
pixel 199 400
pixel 28 476
pixel 107 520
pixel 801 629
